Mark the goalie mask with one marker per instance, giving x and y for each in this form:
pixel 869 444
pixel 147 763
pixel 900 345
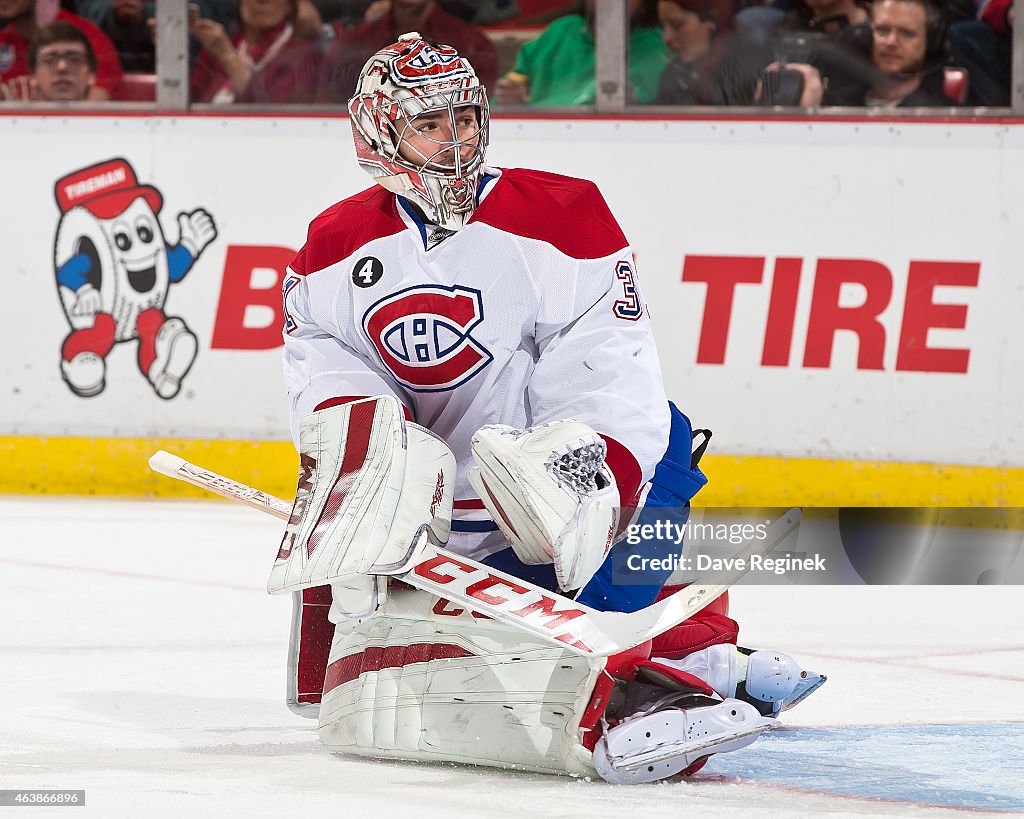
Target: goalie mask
pixel 420 122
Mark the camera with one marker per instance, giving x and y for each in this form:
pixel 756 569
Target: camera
pixel 781 87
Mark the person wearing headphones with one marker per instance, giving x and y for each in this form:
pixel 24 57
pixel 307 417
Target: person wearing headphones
pixel 908 54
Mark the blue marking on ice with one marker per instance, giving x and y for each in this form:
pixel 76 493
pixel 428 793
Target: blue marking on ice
pixel 971 765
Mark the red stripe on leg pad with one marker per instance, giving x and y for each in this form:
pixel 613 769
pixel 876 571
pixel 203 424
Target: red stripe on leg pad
pixel 315 635
pixel 376 658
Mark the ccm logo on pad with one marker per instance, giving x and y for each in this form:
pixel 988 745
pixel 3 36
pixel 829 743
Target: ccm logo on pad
pixel 530 605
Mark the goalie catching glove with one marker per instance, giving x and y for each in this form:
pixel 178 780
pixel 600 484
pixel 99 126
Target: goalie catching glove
pixel 372 488
pixel 551 493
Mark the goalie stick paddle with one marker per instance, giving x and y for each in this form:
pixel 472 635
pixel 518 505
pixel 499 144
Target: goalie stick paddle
pixel 549 616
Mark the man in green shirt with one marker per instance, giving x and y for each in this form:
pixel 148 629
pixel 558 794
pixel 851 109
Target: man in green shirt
pixel 558 67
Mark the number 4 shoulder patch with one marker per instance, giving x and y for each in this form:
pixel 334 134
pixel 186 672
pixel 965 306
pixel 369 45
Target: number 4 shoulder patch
pixel 367 271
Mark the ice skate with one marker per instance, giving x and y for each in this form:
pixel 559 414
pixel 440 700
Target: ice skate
pixel 675 722
pixel 85 373
pixel 776 678
pixel 664 744
pixel 176 348
pixel 769 680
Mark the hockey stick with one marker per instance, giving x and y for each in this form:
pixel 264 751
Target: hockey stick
pixel 509 599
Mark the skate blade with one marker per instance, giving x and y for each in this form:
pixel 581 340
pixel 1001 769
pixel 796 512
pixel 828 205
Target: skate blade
pixel 668 751
pixel 805 693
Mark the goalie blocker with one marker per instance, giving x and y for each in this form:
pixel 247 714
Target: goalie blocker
pixel 370 485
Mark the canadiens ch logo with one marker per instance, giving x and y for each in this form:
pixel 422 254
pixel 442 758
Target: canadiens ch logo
pixel 427 63
pixel 423 335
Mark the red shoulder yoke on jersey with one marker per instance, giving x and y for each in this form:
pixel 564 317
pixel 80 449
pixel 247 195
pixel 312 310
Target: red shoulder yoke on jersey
pixel 345 227
pixel 534 205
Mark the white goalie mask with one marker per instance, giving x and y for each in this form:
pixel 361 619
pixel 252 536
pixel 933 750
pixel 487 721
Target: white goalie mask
pixel 420 124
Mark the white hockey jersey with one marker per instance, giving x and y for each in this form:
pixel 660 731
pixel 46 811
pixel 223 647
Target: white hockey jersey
pixel 528 314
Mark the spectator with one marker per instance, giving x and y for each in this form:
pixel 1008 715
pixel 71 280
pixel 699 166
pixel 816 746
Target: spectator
pixel 345 14
pixel 908 56
pixel 558 67
pixel 136 50
pixel 834 36
pixel 998 14
pixel 124 22
pixel 265 62
pixel 478 12
pixel 63 63
pixel 542 12
pixel 698 32
pixel 829 16
pixel 984 47
pixel 220 10
pixel 488 12
pixel 63 67
pixel 308 22
pixel 388 20
pixel 759 23
pixel 22 25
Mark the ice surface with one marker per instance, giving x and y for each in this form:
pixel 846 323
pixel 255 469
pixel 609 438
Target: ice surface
pixel 142 660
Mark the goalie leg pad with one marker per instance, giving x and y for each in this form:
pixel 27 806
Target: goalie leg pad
pixel 424 680
pixel 369 484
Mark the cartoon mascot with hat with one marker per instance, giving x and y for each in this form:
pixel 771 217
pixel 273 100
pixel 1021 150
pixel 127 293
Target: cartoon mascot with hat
pixel 114 267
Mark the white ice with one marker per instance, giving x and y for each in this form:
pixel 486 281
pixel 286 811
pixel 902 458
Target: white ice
pixel 143 661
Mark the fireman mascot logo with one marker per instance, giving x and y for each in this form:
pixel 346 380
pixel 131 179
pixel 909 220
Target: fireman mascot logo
pixel 114 267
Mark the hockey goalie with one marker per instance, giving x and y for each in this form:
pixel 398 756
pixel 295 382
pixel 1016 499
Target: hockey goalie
pixel 469 361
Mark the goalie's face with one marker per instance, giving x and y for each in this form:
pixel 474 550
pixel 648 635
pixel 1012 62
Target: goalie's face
pixel 447 141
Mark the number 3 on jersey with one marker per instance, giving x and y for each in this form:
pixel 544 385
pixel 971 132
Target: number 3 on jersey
pixel 630 307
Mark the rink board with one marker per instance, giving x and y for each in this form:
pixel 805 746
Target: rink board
pixel 839 301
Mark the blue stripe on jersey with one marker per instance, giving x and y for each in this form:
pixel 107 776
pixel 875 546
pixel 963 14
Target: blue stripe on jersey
pixel 485 180
pixel 408 208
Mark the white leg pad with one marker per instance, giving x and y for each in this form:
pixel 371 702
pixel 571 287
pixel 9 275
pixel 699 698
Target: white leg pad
pixel 424 680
